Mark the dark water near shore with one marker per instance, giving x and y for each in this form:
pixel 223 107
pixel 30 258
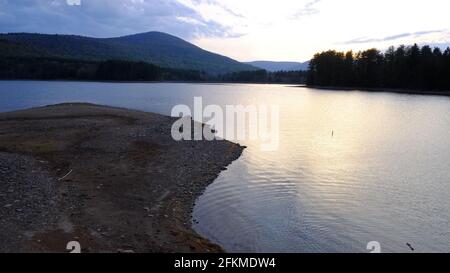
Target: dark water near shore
pixel 384 176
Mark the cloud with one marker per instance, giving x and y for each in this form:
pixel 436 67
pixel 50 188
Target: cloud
pixel 418 34
pixel 219 5
pixel 107 18
pixel 217 11
pixel 308 10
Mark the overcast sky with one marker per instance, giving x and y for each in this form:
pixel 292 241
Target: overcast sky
pixel 281 30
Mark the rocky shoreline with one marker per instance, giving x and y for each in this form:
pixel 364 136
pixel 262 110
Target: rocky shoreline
pixel 110 178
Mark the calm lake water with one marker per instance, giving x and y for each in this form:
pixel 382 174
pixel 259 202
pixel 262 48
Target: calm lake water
pixel 384 176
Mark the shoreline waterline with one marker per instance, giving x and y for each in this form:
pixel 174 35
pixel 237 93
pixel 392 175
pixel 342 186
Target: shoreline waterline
pixel 380 90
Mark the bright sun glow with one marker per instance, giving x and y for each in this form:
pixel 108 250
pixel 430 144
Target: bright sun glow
pixel 296 29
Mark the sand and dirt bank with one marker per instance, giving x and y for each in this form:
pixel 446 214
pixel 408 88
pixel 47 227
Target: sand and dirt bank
pixel 112 179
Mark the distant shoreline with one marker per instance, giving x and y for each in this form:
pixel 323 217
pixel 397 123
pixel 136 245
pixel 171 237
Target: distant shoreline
pixel 198 82
pixel 380 90
pixel 334 88
pixel 331 88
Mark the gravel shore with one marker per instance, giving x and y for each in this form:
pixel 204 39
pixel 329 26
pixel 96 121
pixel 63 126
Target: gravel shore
pixel 110 178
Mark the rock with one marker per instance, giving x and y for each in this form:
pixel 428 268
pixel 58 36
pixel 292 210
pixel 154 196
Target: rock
pixel 125 251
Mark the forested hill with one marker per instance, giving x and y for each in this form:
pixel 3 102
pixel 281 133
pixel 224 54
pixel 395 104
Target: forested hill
pixel 404 67
pixel 24 61
pixel 13 49
pixel 157 48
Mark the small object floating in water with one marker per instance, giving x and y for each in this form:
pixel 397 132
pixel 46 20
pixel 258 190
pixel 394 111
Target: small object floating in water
pixel 410 246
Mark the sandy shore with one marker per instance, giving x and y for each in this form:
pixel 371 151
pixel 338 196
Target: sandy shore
pixel 112 179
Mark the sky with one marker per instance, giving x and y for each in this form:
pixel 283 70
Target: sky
pixel 246 30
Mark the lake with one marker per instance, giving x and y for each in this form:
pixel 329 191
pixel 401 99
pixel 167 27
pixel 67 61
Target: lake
pixel 383 176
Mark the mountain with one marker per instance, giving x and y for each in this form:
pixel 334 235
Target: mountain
pixel 13 49
pixel 280 66
pixel 153 47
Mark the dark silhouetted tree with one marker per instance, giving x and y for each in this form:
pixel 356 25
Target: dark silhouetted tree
pixel 402 67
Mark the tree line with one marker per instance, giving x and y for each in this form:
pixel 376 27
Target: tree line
pixel 263 76
pixel 49 68
pixel 404 67
pixel 35 68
